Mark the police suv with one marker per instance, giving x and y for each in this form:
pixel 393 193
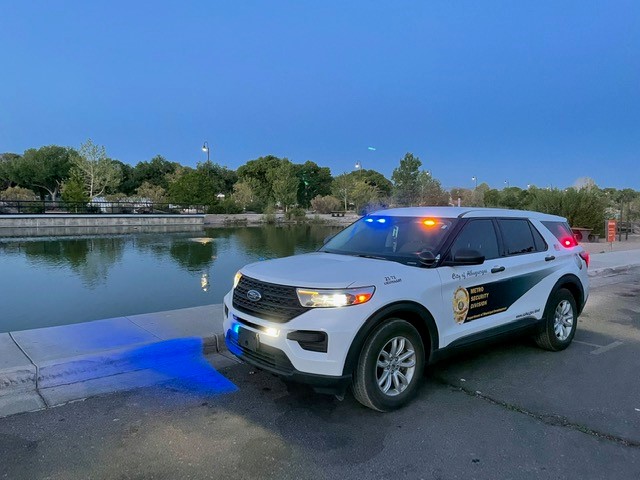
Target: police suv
pixel 398 289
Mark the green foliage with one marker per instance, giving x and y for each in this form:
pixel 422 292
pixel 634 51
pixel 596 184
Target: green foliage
pixel 406 180
pixel 42 170
pixel 431 191
pixel 269 215
pixel 259 174
pixel 325 204
pixel 199 186
pixel 226 206
pixel 243 194
pixel 6 163
pixel 584 208
pixel 18 193
pixel 296 213
pixel 363 194
pixel 73 192
pixel 313 181
pixel 155 193
pixel 284 184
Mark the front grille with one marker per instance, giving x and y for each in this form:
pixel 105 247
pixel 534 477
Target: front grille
pixel 267 357
pixel 279 303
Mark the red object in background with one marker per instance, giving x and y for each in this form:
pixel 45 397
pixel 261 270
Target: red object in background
pixel 611 231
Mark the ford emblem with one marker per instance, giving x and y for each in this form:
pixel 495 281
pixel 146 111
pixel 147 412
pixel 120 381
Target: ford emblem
pixel 254 295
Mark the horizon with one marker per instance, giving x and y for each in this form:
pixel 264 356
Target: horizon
pixel 466 89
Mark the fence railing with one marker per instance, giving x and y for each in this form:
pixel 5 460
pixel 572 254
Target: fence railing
pixel 17 207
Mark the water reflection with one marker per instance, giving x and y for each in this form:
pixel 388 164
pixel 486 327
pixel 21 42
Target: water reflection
pixel 91 258
pixel 88 278
pixel 193 256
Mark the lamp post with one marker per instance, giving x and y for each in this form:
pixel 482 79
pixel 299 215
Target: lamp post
pixel 205 148
pixel 358 166
pixel 506 182
pixel 475 179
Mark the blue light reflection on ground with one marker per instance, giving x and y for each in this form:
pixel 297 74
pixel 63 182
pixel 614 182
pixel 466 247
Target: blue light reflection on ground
pixel 183 363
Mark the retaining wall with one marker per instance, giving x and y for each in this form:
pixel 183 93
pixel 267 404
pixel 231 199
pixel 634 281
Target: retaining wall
pixel 55 225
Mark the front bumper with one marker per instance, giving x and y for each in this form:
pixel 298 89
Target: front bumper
pixel 275 361
pixel 278 353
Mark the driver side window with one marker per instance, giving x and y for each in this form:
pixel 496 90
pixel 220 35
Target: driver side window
pixel 477 235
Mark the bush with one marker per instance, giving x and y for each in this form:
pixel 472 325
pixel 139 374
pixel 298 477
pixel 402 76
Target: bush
pixel 18 193
pixel 325 204
pixel 296 213
pixel 269 214
pixel 226 206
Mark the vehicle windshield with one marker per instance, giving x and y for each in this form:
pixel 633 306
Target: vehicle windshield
pixel 391 238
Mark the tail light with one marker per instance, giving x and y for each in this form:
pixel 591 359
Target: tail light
pixel 585 257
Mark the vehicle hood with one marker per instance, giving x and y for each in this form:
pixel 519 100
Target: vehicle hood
pixel 322 270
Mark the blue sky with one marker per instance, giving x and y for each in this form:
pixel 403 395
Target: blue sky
pixel 538 92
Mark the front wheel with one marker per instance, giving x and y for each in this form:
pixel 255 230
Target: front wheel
pixel 390 366
pixel 560 321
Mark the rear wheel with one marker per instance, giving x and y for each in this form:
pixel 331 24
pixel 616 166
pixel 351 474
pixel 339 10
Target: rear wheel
pixel 390 366
pixel 561 318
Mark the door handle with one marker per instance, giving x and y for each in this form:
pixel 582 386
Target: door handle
pixel 549 258
pixel 497 269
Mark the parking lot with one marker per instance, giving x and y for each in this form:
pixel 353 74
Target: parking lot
pixel 507 411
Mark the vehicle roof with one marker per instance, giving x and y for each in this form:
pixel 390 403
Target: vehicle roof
pixel 466 212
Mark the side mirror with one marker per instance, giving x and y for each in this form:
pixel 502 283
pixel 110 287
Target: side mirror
pixel 467 257
pixel 426 258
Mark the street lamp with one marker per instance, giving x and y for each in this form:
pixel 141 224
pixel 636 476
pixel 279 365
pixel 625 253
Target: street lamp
pixel 205 148
pixel 475 179
pixel 358 166
pixel 506 182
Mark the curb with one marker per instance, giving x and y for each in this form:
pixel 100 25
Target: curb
pixel 169 347
pixel 605 271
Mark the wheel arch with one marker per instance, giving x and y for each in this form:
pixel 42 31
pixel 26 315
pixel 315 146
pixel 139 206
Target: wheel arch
pixel 573 284
pixel 412 312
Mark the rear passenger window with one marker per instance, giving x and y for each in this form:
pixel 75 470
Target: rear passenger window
pixel 477 235
pixel 562 232
pixel 517 236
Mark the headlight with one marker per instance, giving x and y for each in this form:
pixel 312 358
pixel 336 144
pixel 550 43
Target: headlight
pixel 334 298
pixel 236 279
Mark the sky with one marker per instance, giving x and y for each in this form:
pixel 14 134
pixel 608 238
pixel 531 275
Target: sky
pixel 528 92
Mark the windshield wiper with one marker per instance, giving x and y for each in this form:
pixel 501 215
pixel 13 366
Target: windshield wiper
pixel 366 255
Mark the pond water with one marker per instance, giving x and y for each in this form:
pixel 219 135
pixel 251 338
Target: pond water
pixel 57 281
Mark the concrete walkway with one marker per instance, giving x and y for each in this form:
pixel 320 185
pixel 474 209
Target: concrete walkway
pixel 51 366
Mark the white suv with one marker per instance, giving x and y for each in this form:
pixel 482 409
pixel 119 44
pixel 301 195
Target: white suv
pixel 399 288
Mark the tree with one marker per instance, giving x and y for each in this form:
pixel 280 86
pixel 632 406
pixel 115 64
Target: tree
pixel 153 172
pixel 97 172
pixel 313 181
pixel 155 193
pixel 42 170
pixel 342 187
pixel 197 187
pixel 363 194
pixel 325 204
pixel 243 194
pixel 284 184
pixel 405 180
pixel 73 192
pixel 6 162
pixel 259 173
pixel 431 192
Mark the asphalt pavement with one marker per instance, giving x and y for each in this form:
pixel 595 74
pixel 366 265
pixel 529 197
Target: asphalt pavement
pixel 505 411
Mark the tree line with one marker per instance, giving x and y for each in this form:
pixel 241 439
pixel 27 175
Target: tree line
pixel 262 184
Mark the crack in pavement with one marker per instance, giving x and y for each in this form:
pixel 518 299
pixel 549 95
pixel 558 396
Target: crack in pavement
pixel 547 419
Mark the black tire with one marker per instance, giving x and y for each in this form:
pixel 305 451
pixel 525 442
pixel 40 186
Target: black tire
pixel 367 372
pixel 548 338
